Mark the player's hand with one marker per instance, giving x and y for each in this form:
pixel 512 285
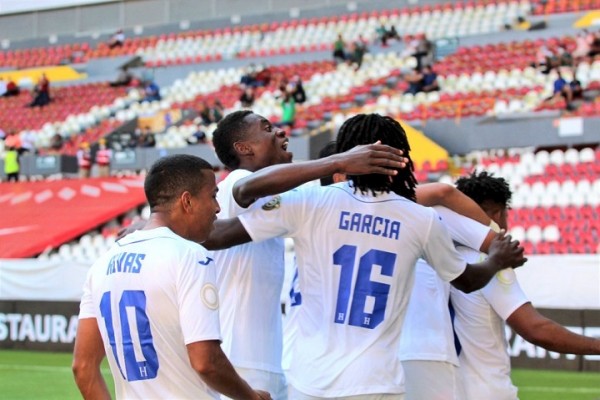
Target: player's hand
pixel 505 252
pixel 135 226
pixel 262 395
pixel 374 158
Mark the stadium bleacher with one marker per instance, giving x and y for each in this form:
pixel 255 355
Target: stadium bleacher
pixel 488 80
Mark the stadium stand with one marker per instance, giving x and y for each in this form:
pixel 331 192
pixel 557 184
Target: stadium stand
pixel 200 66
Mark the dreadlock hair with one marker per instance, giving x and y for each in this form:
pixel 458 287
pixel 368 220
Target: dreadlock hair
pixel 326 151
pixel 367 129
pixel 230 130
pixel 170 176
pixel 484 187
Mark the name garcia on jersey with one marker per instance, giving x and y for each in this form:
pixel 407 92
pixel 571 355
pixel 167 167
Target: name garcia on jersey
pixel 371 224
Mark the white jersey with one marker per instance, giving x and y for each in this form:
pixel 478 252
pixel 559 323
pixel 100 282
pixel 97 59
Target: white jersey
pixel 152 294
pixel 356 255
pixel 479 324
pixel 250 279
pixel 427 333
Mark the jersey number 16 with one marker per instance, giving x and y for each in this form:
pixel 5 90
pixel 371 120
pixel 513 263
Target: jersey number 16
pixel 369 297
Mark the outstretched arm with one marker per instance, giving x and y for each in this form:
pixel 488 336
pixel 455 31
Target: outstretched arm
pixel 366 159
pixel 503 253
pixel 442 194
pixel 543 332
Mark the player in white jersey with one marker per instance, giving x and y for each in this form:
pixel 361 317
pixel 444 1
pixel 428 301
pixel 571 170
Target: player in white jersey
pixel 250 276
pixel 427 347
pixel 480 316
pixel 356 244
pixel 151 302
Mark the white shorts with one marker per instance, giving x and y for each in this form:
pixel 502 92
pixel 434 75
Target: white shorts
pixel 294 394
pixel 271 382
pixel 432 380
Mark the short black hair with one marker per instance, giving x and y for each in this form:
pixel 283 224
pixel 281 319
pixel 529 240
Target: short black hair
pixel 326 151
pixel 229 130
pixel 170 176
pixel 484 187
pixel 367 129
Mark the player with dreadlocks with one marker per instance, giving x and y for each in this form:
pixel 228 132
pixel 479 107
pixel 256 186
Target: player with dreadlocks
pixel 370 128
pixel 356 245
pixel 481 315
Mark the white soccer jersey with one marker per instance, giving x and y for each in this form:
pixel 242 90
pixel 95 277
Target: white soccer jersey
pixel 427 333
pixel 152 294
pixel 356 255
pixel 250 279
pixel 479 324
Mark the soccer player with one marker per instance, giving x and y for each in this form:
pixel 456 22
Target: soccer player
pixel 356 245
pixel 151 301
pixel 250 276
pixel 481 315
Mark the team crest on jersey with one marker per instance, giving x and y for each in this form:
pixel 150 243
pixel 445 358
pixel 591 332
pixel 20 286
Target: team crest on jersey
pixel 272 204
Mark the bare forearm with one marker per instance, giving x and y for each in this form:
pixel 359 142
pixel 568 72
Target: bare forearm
pixel 441 194
pixel 227 233
pixel 224 379
pixel 475 276
pixel 554 337
pixel 92 385
pixel 280 178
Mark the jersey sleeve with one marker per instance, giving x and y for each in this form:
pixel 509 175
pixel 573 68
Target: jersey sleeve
pixel 277 217
pixel 198 297
pixel 440 252
pixel 86 307
pixel 504 293
pixel 463 230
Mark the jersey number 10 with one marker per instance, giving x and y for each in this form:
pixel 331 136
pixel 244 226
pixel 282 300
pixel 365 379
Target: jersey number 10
pixel 369 297
pixel 135 300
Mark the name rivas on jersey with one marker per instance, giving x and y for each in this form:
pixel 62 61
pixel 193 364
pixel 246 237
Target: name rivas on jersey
pixel 38 328
pixel 519 347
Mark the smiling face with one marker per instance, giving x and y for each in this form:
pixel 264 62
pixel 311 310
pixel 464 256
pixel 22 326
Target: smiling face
pixel 204 208
pixel 264 144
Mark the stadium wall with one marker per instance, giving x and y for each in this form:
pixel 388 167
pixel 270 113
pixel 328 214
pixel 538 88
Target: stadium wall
pixel 39 305
pixel 105 18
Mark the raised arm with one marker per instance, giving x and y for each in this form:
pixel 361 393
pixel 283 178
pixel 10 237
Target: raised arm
pixel 543 332
pixel 366 159
pixel 442 194
pixel 503 253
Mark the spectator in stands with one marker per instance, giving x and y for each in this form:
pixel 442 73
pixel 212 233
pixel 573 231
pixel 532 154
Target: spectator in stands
pixel 211 114
pixel 429 82
pixel 84 160
pixel 359 48
pixel 11 164
pixel 151 91
pixel 28 142
pixel 414 80
pixel 247 97
pixel 117 39
pixel 595 47
pixel 423 51
pixel 339 50
pixel 123 79
pixel 103 156
pixel 56 143
pixel 12 140
pixel 146 138
pixel 384 35
pixel 41 92
pixel 288 110
pixel 263 75
pixel 249 78
pixel 9 88
pixel 197 137
pixel 296 88
pixel 544 59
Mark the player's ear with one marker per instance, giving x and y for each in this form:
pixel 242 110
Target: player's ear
pixel 186 201
pixel 242 147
